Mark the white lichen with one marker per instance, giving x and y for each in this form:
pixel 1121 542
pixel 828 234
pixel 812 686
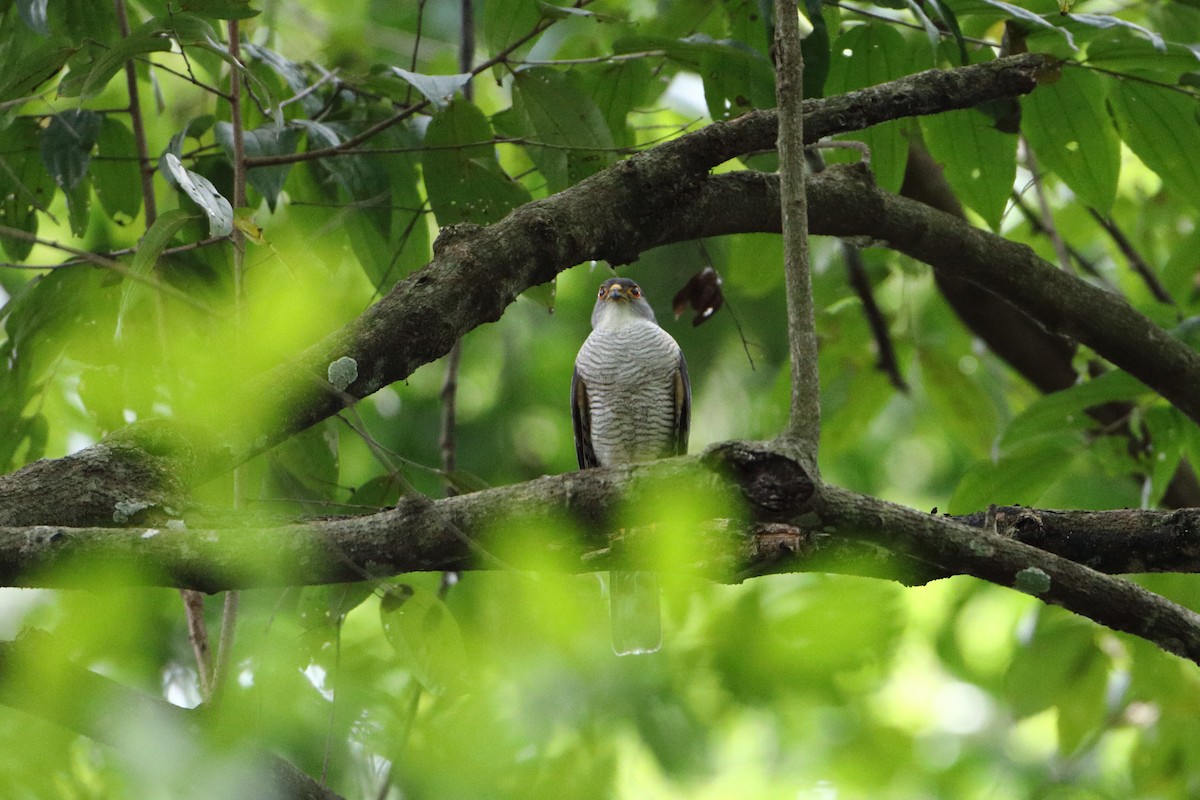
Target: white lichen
pixel 343 372
pixel 124 510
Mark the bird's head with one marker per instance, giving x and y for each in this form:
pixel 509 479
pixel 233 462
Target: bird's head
pixel 620 301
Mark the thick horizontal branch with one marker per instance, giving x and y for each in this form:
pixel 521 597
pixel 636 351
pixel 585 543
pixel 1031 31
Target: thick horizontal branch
pixel 766 515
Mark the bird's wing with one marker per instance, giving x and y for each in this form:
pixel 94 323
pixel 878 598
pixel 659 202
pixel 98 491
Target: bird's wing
pixel 683 407
pixel 581 421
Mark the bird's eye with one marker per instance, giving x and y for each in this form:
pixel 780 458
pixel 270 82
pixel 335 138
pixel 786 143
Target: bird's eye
pixel 602 292
pixel 635 291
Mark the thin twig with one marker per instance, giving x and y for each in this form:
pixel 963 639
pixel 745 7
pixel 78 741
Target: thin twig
pixel 1136 262
pixel 101 261
pixel 1043 204
pixel 230 609
pixel 145 167
pixel 1082 261
pixel 856 275
pixel 804 420
pixel 193 604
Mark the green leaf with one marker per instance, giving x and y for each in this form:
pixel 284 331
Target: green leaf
pixel 1071 133
pixel 157 238
pixel 979 161
pixel 66 145
pixel 616 90
pixel 302 471
pixel 79 202
pixel 200 189
pixel 1063 666
pixel 736 78
pixel 94 66
pixel 327 606
pixel 466 482
pixel 25 186
pixel 557 114
pixel 379 492
pixel 28 63
pixel 1066 410
pixel 1166 428
pixel 505 21
pixel 1121 52
pixel 551 11
pixel 1019 477
pixel 815 48
pixel 292 74
pixel 426 638
pixel 864 56
pixel 115 173
pixel 463 178
pixel 269 140
pixel 942 10
pixel 220 9
pixel 1159 125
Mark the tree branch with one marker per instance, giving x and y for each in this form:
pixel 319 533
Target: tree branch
pixel 771 520
pixel 804 418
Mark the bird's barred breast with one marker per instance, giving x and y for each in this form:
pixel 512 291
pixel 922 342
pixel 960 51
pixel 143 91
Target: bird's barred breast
pixel 630 378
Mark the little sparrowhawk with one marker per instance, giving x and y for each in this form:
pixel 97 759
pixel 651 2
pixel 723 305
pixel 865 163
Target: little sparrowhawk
pixel 630 401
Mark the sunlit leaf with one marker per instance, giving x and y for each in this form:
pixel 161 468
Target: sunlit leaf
pixel 327 606
pixel 864 56
pixel 567 147
pixel 463 178
pixel 221 9
pixel 979 161
pixel 1071 133
pixel 1104 21
pixel 1159 125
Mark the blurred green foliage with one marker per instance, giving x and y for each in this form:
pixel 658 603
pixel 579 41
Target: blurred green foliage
pixel 502 684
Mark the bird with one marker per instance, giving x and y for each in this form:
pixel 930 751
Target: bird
pixel 631 401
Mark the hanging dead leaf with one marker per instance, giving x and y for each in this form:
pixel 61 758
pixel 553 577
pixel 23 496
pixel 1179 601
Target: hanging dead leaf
pixel 703 293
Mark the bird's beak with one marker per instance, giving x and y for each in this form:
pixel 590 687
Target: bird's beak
pixel 617 293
